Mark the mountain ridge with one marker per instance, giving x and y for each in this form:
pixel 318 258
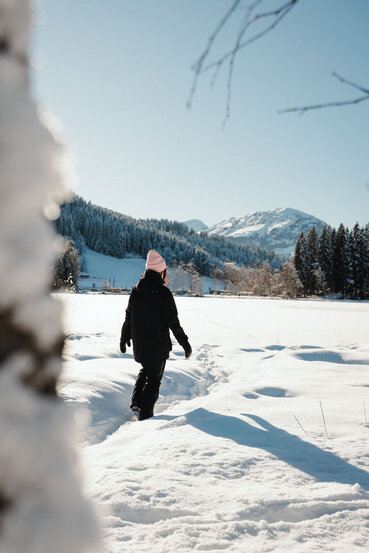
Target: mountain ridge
pixel 272 230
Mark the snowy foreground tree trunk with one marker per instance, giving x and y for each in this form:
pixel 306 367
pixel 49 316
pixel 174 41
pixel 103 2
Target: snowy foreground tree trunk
pixel 41 506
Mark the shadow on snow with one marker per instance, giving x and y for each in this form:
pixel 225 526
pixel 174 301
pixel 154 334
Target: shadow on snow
pixel 318 463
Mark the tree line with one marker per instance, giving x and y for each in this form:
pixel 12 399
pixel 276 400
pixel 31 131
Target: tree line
pixel 335 261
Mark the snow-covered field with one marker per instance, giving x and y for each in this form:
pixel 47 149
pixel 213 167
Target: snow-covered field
pixel 121 273
pixel 225 464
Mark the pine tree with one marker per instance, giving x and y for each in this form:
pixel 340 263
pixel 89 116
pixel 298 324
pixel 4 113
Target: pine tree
pixel 67 267
pixel 366 241
pixel 340 260
pixel 325 258
pixel 359 261
pixel 312 270
pixel 301 261
pixel 349 261
pixel 364 262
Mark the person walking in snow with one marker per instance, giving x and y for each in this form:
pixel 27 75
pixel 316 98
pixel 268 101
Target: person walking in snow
pixel 151 312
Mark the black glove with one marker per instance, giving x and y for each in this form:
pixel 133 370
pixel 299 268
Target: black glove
pixel 123 346
pixel 188 350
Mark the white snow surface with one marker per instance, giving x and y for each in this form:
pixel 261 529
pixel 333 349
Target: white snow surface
pixel 225 464
pixel 124 273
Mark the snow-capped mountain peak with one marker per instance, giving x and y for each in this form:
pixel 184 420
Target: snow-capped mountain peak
pixel 276 229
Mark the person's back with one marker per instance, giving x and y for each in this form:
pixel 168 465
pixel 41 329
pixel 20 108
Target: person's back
pixel 151 312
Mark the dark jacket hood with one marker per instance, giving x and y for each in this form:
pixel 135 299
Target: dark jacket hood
pixel 150 281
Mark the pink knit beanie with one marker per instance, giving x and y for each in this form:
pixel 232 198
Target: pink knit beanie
pixel 155 262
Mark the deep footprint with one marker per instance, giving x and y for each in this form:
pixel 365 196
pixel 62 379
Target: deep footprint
pixel 274 392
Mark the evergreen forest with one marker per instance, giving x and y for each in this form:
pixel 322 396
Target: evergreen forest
pixel 336 261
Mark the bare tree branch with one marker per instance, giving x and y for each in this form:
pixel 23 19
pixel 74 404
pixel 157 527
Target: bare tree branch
pixel 303 109
pixel 255 37
pixel 350 83
pixel 198 66
pixel 245 24
pixel 273 17
pixel 251 18
pixel 281 13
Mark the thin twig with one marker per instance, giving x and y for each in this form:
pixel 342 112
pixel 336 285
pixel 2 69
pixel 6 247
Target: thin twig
pixel 252 39
pixel 303 109
pixel 198 66
pixel 352 102
pixel 300 424
pixel 251 17
pixel 247 21
pixel 232 55
pixel 241 33
pixel 325 426
pixel 275 12
pixel 350 83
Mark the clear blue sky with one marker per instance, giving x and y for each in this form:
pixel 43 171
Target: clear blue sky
pixel 117 73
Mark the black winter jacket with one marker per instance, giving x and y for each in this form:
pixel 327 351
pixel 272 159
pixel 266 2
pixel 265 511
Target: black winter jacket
pixel 151 312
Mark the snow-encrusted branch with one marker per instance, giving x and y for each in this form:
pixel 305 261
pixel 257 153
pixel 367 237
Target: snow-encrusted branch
pixel 41 505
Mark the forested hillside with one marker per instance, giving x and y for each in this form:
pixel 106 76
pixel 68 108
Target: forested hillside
pixel 118 235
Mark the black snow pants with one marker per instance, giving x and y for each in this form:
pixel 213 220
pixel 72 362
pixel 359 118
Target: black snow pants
pixel 146 390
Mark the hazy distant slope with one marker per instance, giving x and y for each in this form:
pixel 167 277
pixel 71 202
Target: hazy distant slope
pixel 196 225
pixel 277 229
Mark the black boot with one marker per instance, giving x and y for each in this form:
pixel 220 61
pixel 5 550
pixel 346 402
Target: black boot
pixel 143 416
pixel 135 408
